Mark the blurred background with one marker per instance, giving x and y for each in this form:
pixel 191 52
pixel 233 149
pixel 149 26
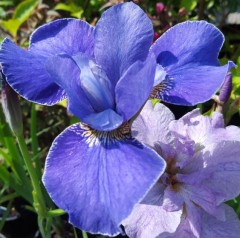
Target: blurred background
pixel 18 19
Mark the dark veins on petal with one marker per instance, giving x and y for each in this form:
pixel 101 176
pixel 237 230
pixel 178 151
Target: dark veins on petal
pixel 162 88
pixel 106 138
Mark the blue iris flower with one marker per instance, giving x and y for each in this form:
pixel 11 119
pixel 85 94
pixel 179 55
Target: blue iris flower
pixel 95 170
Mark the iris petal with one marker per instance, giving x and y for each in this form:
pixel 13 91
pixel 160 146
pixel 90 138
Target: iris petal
pixel 70 36
pixel 160 75
pixel 157 117
pixel 150 219
pixel 106 120
pixel 134 87
pixel 224 169
pixel 123 36
pixel 191 84
pixel 95 84
pixel 98 177
pixel 65 72
pixel 67 75
pixel 189 54
pixel 212 227
pixel 25 70
pixel 26 74
pixel 196 42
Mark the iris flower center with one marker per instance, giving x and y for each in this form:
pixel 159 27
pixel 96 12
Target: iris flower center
pixel 169 178
pixel 106 138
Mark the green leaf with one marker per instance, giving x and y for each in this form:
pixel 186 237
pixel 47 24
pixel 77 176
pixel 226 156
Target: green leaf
pixel 189 4
pixel 63 7
pixel 11 25
pixel 67 7
pixel 209 112
pixel 6 3
pixel 21 14
pixel 155 101
pixel 236 82
pixel 232 108
pixel 238 61
pixel 74 120
pixel 75 10
pixel 2 13
pixel 77 14
pixel 63 103
pixel 236 79
pixel 24 10
pixel 210 4
pixel 84 234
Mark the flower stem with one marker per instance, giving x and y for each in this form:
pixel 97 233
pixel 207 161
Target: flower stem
pixel 84 234
pixel 44 222
pixel 75 233
pixel 35 182
pixel 34 138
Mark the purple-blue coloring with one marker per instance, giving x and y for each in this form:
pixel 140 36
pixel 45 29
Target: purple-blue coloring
pixel 226 89
pixel 188 70
pixel 95 170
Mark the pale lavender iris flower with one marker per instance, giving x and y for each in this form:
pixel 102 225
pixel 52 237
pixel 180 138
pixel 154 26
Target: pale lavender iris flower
pixel 203 171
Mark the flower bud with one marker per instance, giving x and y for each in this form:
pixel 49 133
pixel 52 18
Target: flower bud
pixel 11 107
pixel 159 7
pixel 226 89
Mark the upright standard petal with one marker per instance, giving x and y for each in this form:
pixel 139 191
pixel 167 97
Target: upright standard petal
pixel 95 83
pixel 69 36
pixel 98 177
pixel 134 87
pixel 123 36
pixel 26 74
pixel 67 75
pixel 189 54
